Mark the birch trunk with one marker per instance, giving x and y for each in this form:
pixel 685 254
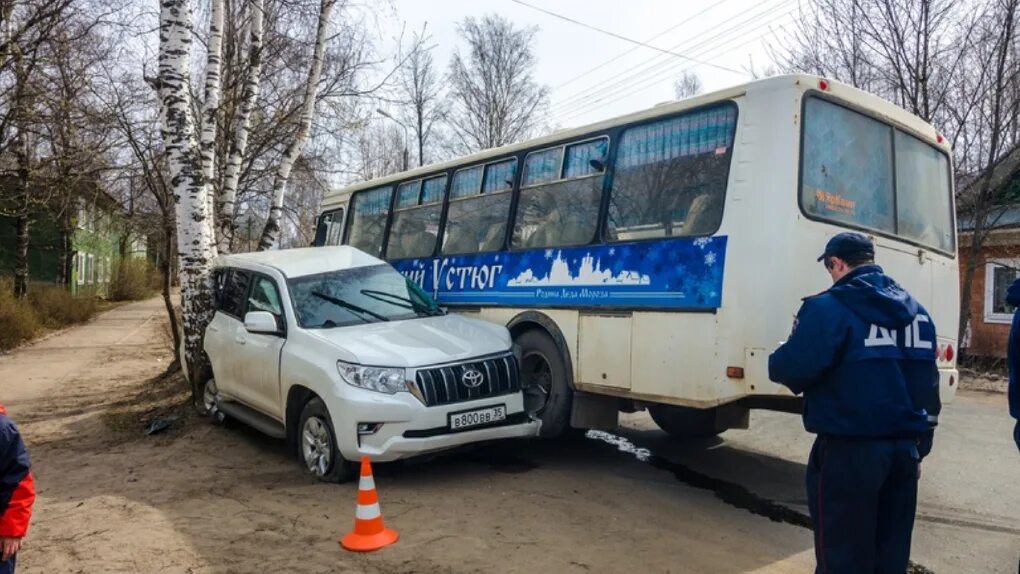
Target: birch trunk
pixel 271 232
pixel 194 242
pixel 239 145
pixel 211 106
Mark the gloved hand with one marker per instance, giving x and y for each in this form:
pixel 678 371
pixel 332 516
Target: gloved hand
pixel 924 443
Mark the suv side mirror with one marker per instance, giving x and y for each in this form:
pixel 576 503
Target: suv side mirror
pixel 261 322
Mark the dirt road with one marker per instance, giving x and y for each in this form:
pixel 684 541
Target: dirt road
pixel 200 498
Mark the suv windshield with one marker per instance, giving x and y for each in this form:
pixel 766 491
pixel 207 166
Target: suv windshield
pixel 356 296
pixel 860 172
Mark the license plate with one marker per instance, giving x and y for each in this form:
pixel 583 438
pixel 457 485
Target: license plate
pixel 477 417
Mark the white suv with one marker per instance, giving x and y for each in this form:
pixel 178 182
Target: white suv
pixel 338 353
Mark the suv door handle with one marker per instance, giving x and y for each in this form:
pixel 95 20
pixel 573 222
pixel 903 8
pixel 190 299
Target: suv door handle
pixel 240 340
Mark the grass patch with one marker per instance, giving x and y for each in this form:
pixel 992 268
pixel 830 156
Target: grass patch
pixel 134 279
pixel 47 306
pixel 18 321
pixel 56 307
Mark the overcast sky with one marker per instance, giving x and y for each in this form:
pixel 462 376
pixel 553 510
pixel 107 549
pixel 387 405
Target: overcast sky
pixel 594 75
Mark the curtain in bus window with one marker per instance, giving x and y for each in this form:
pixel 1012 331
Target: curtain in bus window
pixel 923 208
pixel 499 176
pixel 542 166
pixel 407 194
pixel 563 211
pixel 368 222
pixel 466 182
pixel 579 158
pixel 432 189
pixel 414 230
pixel 671 176
pixel 847 172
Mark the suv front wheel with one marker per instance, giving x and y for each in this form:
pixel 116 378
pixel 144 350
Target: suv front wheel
pixel 317 446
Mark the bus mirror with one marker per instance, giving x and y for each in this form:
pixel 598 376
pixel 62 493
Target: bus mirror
pixel 597 165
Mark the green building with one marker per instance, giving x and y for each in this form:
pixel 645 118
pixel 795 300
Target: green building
pixel 77 243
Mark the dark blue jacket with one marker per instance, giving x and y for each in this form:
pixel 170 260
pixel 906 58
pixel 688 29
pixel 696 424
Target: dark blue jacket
pixel 863 354
pixel 1013 358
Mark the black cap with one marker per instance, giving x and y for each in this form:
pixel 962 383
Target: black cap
pixel 849 245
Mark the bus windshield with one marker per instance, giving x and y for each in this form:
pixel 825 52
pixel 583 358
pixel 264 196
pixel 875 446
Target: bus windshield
pixel 860 172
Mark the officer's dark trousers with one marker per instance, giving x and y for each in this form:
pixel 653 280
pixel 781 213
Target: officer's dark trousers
pixel 862 495
pixel 7 566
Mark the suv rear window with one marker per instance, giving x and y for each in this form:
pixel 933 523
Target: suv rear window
pixel 863 173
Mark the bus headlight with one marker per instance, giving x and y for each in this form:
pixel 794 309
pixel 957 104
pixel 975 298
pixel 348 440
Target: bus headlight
pixel 387 380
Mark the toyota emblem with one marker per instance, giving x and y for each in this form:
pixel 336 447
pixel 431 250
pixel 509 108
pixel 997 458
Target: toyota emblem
pixel 471 378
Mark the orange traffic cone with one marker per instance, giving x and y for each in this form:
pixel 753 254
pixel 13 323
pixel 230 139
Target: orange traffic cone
pixel 369 532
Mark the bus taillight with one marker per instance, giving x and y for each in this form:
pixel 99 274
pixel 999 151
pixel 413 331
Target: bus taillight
pixel 949 352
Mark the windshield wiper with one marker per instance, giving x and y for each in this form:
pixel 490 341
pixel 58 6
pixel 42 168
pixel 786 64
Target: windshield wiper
pixel 401 301
pixel 350 306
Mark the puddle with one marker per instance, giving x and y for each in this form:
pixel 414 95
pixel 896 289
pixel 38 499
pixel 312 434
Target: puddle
pixel 731 493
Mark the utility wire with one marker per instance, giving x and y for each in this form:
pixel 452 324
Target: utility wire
pixel 624 53
pixel 641 76
pixel 626 39
pixel 640 71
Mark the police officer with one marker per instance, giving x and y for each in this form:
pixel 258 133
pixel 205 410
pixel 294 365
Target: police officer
pixel 863 355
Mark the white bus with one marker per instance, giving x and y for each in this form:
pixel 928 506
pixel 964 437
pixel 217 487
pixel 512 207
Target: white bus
pixel 656 259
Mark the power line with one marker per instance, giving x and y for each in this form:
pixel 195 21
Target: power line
pixel 604 101
pixel 626 80
pixel 631 40
pixel 595 105
pixel 624 53
pixel 640 72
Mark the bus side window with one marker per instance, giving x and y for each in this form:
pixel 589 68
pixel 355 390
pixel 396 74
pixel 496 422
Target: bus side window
pixel 560 195
pixel 416 220
pixel 368 221
pixel 479 208
pixel 330 229
pixel 671 176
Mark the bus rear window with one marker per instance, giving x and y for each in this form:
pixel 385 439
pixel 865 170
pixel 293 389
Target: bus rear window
pixel 863 173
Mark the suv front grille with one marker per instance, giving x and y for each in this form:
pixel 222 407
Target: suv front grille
pixel 446 385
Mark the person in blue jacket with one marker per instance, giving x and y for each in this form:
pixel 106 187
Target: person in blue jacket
pixel 863 355
pixel 1013 359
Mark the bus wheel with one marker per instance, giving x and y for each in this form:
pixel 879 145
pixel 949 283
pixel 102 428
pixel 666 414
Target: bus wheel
pixel 547 395
pixel 685 422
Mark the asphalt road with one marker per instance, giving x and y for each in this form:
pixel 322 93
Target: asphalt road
pixel 969 499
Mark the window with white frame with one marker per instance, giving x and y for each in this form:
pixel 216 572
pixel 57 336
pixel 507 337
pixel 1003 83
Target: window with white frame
pixel 90 269
pixel 999 275
pixel 81 268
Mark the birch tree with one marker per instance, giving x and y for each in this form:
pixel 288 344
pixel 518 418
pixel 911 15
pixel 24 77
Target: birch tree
pixel 184 165
pixel 210 108
pixel 271 231
pixel 239 143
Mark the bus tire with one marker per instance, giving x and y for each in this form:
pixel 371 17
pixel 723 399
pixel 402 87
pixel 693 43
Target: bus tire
pixel 547 395
pixel 685 422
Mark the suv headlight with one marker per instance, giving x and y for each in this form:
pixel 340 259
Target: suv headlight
pixel 379 379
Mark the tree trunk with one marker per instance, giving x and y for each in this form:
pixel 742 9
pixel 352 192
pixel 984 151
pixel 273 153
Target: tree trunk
pixel 211 107
pixel 249 95
pixel 167 267
pixel 194 242
pixel 21 258
pixel 271 231
pixel 66 258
